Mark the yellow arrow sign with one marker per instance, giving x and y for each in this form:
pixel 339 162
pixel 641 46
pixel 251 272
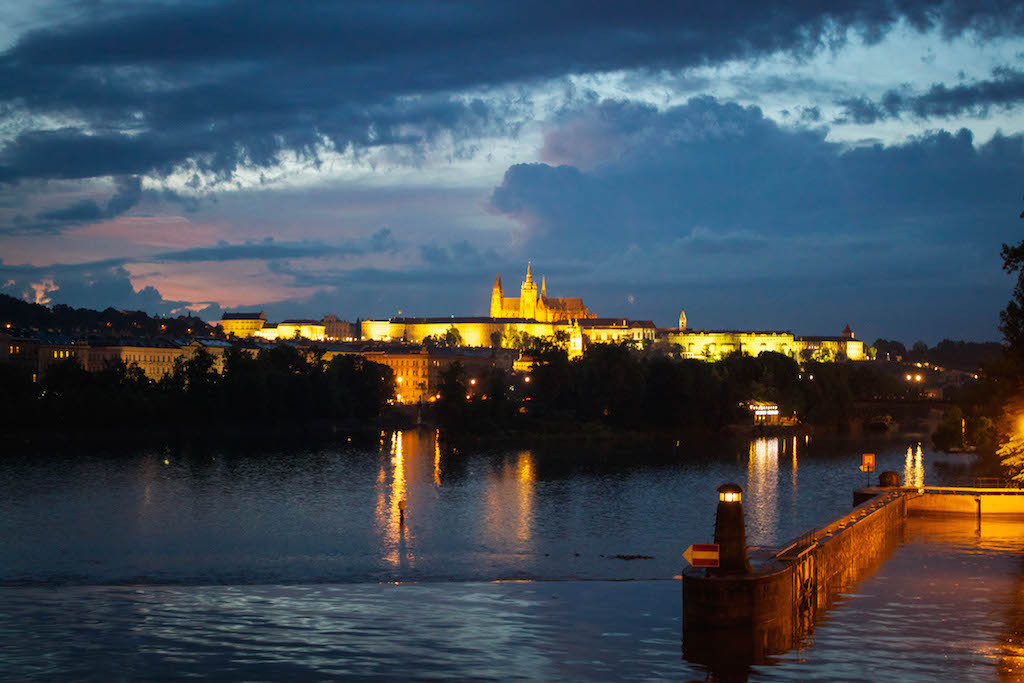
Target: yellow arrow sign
pixel 702 555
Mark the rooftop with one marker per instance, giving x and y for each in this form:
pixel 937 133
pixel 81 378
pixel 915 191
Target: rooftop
pixel 244 316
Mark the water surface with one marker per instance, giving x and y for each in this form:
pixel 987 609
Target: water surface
pixel 294 564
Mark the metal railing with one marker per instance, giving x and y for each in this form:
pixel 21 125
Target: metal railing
pixel 966 490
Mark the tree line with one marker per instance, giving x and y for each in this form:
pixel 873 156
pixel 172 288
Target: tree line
pixel 620 386
pixel 279 385
pixel 86 321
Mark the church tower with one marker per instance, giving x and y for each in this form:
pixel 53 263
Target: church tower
pixel 528 296
pixel 682 321
pixel 497 298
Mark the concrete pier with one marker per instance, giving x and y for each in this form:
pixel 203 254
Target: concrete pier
pixel 766 610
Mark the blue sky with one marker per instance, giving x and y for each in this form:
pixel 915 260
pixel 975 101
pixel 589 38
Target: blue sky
pixel 795 166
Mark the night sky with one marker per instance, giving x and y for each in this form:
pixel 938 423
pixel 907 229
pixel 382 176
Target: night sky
pixel 795 167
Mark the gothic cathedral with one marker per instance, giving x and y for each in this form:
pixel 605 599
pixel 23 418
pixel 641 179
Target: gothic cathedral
pixel 531 305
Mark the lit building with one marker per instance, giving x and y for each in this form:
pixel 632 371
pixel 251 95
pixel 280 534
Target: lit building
pixel 22 352
pixel 215 347
pixel 534 305
pixel 242 324
pixel 536 314
pixel 55 349
pixel 716 344
pixel 832 348
pixel 418 368
pixel 313 330
pixel 616 330
pixel 533 313
pixel 339 330
pixel 154 356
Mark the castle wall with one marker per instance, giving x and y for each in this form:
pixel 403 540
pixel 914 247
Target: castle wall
pixel 706 344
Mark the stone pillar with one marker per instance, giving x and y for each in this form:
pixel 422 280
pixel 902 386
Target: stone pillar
pixel 730 533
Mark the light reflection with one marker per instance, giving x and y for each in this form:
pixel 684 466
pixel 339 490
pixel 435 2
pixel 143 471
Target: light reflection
pixel 913 467
pixel 395 535
pixel 510 502
pixel 437 457
pixel 762 488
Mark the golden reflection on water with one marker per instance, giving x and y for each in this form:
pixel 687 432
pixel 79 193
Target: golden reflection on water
pixel 762 485
pixel 913 467
pixel 437 457
pixel 388 512
pixel 510 502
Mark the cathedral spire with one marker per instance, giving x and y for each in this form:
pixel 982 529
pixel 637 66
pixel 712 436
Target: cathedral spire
pixel 543 287
pixel 529 272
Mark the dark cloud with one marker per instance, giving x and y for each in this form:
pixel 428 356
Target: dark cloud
pixel 860 110
pixel 94 285
pixel 215 86
pixel 128 194
pixel 272 250
pixel 79 212
pixel 658 175
pixel 1004 90
pixel 461 253
pixel 810 114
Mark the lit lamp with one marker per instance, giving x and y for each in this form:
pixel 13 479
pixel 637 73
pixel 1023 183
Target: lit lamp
pixel 730 532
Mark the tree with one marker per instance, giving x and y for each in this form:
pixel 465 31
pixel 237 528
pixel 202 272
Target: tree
pixel 1011 319
pixel 1011 324
pixel 452 337
pixel 949 433
pixel 1011 429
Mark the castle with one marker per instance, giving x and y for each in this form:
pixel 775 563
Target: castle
pixel 533 312
pixel 531 305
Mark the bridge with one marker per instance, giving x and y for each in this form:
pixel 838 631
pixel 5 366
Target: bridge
pixel 738 615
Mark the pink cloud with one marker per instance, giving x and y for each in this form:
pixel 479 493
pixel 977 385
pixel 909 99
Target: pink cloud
pixel 231 283
pixel 164 232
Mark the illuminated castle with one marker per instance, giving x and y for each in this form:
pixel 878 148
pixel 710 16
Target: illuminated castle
pixel 531 305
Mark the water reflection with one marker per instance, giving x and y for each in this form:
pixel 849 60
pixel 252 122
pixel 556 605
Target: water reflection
pixel 913 467
pixel 509 501
pixel 760 502
pixel 437 458
pixel 473 512
pixel 390 502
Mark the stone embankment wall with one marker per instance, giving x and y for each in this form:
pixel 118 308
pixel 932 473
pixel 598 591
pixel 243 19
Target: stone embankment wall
pixel 855 544
pixel 768 610
pixel 961 501
pixel 780 597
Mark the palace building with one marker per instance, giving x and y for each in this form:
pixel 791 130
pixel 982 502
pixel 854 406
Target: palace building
pixel 533 312
pixel 534 305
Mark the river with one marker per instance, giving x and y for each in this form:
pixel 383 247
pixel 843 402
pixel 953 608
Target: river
pixel 557 561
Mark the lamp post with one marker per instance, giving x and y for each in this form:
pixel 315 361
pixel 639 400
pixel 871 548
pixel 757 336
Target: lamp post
pixel 730 532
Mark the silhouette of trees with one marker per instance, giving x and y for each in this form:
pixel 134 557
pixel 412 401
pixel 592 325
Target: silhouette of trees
pixel 279 385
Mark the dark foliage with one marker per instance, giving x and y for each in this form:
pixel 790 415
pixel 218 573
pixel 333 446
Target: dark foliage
pixel 22 315
pixel 619 386
pixel 280 385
